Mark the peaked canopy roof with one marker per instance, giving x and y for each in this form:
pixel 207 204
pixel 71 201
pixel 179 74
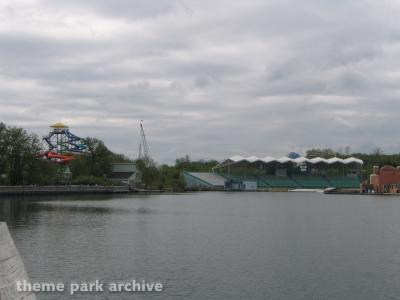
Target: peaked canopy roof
pixel 59 125
pixel 269 159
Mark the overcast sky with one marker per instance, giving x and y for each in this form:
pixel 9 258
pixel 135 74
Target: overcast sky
pixel 209 78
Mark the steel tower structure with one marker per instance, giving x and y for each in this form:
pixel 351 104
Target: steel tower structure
pixel 61 140
pixel 62 146
pixel 144 151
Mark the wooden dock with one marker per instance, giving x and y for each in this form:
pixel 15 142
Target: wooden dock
pixel 12 268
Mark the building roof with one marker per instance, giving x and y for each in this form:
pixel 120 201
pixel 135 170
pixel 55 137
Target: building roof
pixel 387 168
pixel 210 178
pixel 59 125
pixel 269 159
pixel 124 167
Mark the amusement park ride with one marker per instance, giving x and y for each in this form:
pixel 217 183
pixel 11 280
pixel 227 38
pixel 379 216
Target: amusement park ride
pixel 63 146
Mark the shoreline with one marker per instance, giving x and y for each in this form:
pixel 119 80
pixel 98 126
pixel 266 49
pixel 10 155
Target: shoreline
pixel 63 189
pixel 74 190
pixel 93 190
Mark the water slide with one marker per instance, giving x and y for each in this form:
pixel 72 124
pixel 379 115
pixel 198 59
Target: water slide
pixel 62 159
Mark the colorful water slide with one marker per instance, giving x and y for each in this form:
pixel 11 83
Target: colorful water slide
pixel 61 159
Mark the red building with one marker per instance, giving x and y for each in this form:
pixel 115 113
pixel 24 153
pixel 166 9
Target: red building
pixel 385 179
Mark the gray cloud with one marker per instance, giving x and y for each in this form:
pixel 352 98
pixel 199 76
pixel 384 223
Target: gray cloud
pixel 210 78
pixel 137 9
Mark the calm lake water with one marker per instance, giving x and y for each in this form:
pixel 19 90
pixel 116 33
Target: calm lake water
pixel 214 245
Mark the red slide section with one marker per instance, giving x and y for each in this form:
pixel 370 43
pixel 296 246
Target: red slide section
pixel 58 158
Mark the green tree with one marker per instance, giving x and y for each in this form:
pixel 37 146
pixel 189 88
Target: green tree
pixel 149 174
pixel 99 157
pixel 186 164
pixel 19 157
pixel 171 178
pixel 324 153
pixel 96 163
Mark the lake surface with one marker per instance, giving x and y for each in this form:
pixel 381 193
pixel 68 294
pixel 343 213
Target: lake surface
pixel 214 245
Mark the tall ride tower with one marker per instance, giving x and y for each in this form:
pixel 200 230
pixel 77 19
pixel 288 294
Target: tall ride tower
pixel 62 146
pixel 61 140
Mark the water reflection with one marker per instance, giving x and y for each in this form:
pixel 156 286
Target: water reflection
pixel 19 210
pixel 12 210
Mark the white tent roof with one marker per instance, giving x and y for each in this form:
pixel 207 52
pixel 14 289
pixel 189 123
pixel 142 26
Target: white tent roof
pixel 317 160
pixel 300 160
pixel 284 159
pixel 353 160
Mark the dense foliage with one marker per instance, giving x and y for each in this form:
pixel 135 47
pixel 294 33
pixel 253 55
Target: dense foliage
pixel 19 162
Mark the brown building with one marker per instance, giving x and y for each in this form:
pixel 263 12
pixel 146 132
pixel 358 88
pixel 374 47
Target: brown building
pixel 385 179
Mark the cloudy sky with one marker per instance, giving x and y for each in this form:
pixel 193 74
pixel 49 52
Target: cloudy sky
pixel 209 78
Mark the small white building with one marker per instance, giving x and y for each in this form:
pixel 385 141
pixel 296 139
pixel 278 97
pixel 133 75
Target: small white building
pixel 249 185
